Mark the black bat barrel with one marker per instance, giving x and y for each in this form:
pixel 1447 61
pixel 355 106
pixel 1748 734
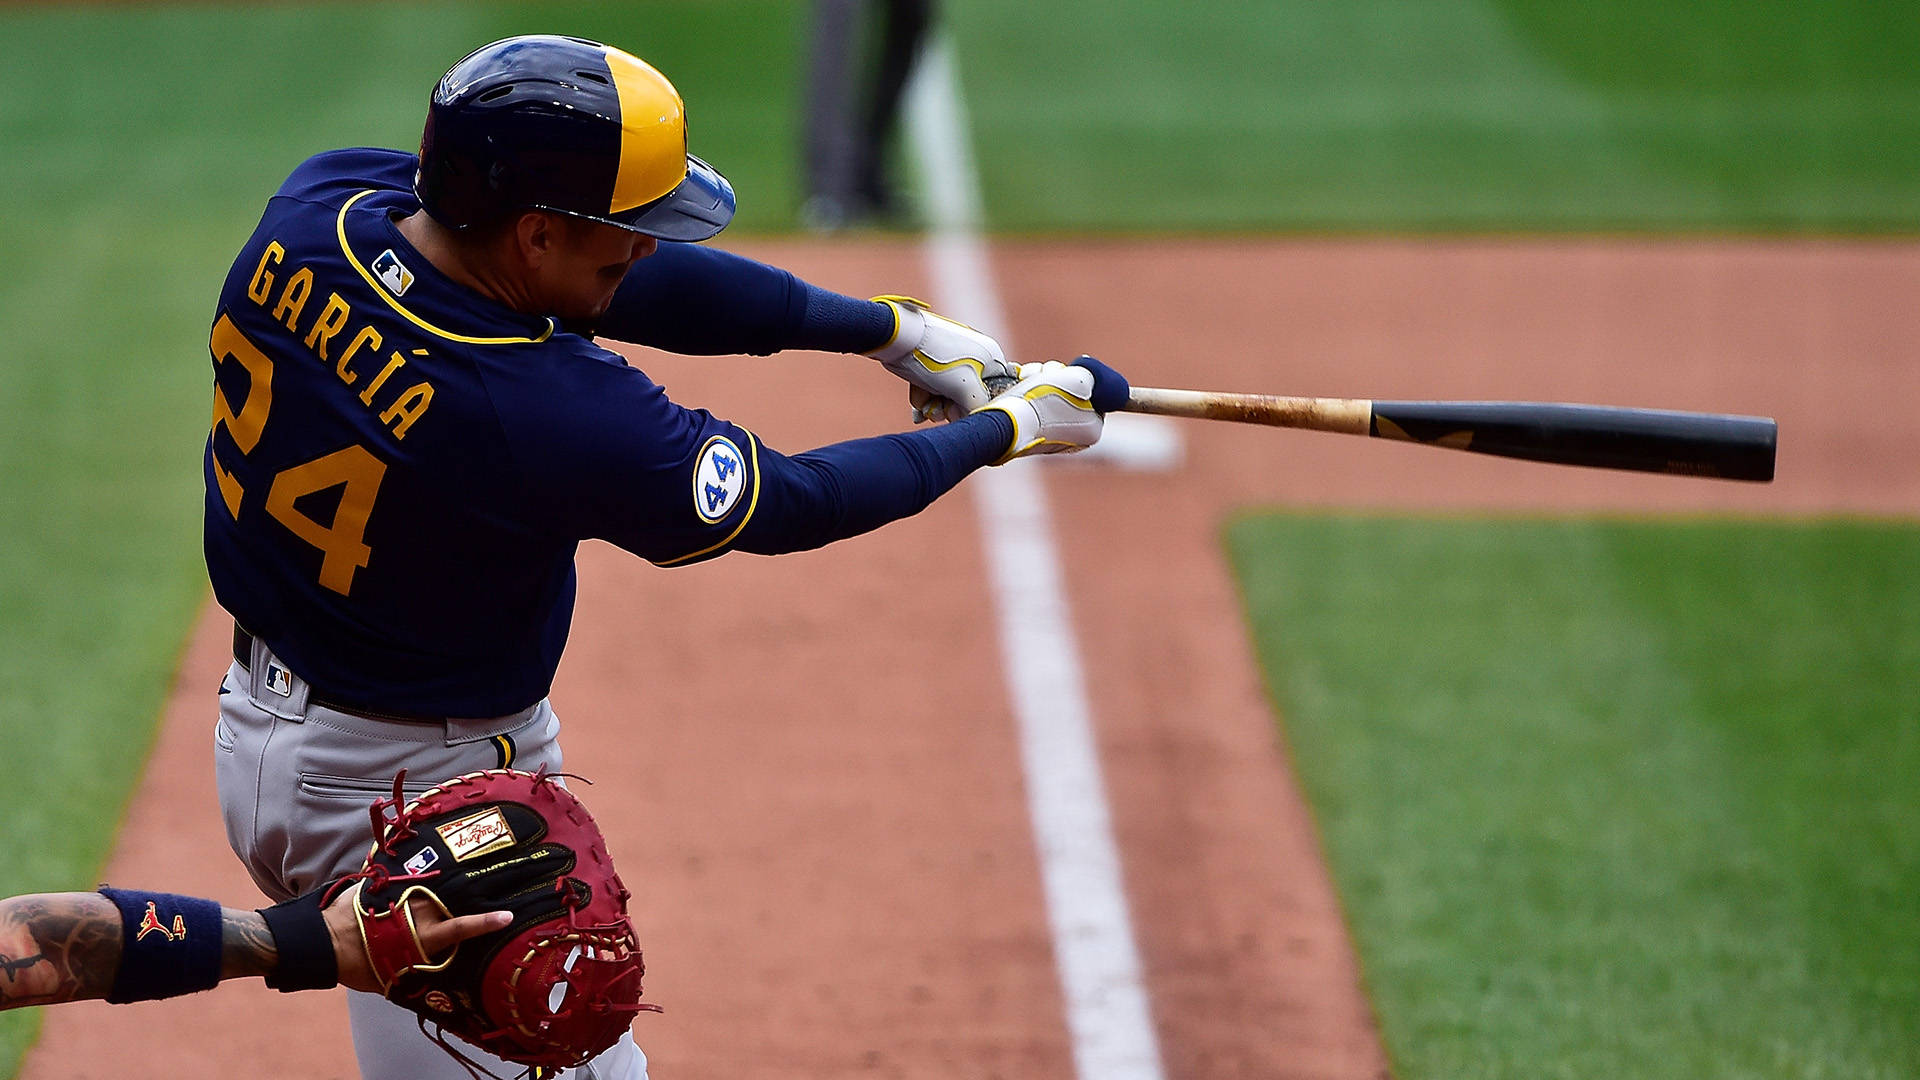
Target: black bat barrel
pixel 1647 440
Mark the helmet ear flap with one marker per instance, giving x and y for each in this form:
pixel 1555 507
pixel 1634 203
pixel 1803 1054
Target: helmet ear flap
pixel 462 190
pixel 441 181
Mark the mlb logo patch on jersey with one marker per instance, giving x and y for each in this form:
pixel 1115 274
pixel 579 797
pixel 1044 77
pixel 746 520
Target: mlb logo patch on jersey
pixel 393 273
pixel 719 479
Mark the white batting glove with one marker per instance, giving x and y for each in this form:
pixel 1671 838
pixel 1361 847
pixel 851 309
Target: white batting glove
pixel 945 361
pixel 1052 407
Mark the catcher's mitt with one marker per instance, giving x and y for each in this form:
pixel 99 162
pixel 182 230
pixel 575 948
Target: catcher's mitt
pixel 562 982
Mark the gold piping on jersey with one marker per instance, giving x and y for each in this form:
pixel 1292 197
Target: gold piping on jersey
pixel 340 227
pixel 752 505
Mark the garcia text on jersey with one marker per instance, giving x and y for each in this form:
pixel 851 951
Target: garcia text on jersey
pixel 333 320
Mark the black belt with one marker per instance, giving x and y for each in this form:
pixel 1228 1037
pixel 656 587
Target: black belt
pixel 243 654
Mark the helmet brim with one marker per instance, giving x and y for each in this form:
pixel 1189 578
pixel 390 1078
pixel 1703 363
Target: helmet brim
pixel 696 209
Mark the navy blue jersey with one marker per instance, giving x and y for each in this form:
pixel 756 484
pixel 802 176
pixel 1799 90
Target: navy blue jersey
pixel 400 469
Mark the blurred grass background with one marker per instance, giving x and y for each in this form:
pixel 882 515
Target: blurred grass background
pixel 1610 798
pixel 138 142
pixel 1505 115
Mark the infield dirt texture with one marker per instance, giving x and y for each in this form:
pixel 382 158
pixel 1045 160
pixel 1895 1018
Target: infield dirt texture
pixel 834 871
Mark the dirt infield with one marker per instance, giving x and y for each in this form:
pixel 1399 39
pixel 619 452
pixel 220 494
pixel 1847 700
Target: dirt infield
pixel 826 832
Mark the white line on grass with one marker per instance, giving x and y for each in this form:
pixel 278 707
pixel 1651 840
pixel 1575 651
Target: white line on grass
pixel 1106 1001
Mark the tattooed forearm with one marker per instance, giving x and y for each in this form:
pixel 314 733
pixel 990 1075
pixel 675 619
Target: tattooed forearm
pixel 57 947
pixel 11 967
pixel 246 945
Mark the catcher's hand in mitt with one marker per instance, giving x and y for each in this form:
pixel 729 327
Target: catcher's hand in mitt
pixel 561 982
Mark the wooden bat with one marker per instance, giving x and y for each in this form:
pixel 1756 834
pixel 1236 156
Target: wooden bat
pixel 1606 437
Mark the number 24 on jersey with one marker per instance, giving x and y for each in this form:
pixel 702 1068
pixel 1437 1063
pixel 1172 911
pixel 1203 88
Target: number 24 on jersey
pixel 343 549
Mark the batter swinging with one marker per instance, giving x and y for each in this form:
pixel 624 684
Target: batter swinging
pixel 413 429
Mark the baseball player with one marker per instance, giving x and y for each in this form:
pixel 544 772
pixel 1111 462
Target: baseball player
pixel 413 428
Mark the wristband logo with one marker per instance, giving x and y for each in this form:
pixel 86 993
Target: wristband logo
pixel 150 924
pixel 719 479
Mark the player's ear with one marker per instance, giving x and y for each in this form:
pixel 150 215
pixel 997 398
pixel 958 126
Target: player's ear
pixel 535 235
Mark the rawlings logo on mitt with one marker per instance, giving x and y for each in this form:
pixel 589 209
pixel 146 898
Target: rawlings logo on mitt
pixel 562 982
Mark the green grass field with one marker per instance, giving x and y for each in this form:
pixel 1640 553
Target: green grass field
pixel 137 143
pixel 1138 115
pixel 1608 798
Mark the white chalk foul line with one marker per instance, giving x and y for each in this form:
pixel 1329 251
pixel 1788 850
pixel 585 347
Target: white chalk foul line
pixel 1106 1000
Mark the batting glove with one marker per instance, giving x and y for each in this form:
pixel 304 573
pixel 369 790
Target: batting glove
pixel 945 361
pixel 1059 408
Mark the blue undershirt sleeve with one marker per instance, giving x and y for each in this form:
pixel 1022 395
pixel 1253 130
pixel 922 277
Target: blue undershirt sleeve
pixel 689 298
pixel 812 499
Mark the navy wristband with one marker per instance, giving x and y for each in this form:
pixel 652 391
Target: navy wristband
pixel 844 324
pixel 302 944
pixel 169 945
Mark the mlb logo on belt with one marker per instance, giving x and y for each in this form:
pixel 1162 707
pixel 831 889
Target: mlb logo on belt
pixel 392 273
pixel 279 680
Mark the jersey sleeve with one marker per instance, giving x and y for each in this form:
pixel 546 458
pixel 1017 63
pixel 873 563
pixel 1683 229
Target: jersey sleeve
pixel 694 299
pixel 605 454
pixel 688 298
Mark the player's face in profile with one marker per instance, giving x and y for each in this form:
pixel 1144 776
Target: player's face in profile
pixel 582 270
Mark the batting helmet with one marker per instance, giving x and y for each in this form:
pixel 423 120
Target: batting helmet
pixel 541 122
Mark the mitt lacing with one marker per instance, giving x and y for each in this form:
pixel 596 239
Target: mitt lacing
pixel 544 776
pixel 389 831
pixel 392 830
pixel 376 876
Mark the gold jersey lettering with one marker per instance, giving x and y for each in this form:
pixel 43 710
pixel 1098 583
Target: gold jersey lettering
pixel 409 407
pixel 294 298
pixel 367 336
pixel 394 363
pixel 332 318
pixel 262 283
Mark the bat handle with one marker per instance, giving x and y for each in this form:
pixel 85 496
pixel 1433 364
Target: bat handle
pixel 1346 415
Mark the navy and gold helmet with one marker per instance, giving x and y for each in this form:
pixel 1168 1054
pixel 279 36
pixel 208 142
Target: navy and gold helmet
pixel 542 122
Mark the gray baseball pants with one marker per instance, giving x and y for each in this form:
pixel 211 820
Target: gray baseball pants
pixel 296 780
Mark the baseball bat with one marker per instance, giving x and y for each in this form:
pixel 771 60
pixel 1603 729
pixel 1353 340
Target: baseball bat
pixel 1607 437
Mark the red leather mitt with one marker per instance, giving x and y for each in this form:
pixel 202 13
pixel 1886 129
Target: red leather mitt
pixel 562 982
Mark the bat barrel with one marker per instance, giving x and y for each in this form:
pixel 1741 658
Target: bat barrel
pixel 1645 440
